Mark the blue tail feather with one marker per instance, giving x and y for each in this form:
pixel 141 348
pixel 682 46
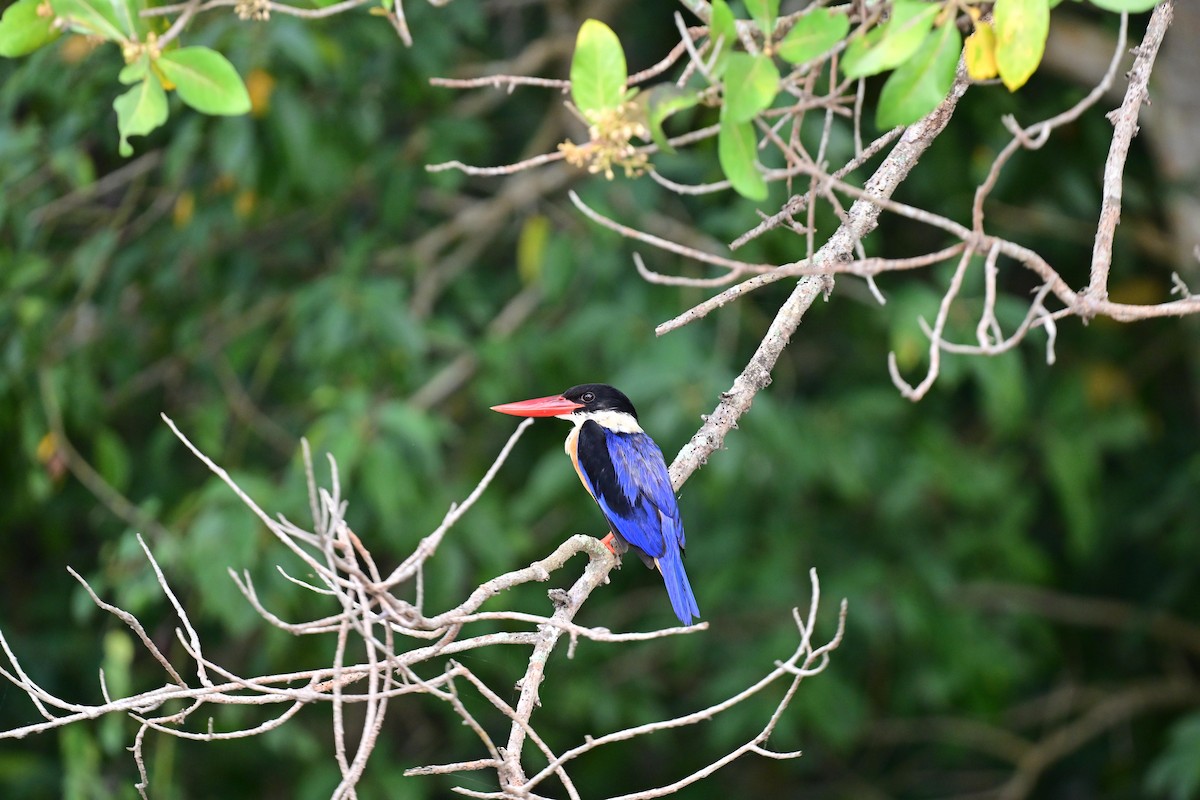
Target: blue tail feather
pixel 678 588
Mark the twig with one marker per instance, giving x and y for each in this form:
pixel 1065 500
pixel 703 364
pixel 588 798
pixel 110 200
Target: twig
pixel 500 81
pixel 1125 127
pixel 1038 133
pixel 278 8
pixel 189 10
pixel 430 543
pixel 935 338
pixel 861 220
pixel 804 662
pixel 864 267
pixel 134 625
pixel 735 267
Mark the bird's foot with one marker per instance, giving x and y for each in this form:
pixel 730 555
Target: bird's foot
pixel 614 545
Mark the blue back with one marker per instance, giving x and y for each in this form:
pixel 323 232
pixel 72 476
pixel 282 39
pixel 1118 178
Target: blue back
pixel 626 474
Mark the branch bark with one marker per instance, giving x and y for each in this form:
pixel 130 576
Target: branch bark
pixel 1125 124
pixel 861 219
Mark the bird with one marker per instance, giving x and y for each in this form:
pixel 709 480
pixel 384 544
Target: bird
pixel 624 472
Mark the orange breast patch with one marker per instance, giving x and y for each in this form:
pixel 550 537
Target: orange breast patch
pixel 572 448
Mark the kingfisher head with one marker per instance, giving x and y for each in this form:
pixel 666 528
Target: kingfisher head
pixel 598 401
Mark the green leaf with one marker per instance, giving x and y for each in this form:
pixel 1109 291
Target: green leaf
pixel 858 47
pixel 660 102
pixel 897 39
pixel 137 71
pixel 919 84
pixel 205 80
pixel 22 30
pixel 531 247
pixel 1021 30
pixel 129 15
pixel 764 12
pixel 1132 6
pixel 1175 772
pixel 91 17
pixel 736 146
pixel 812 35
pixel 1074 474
pixel 722 27
pixel 751 83
pixel 598 72
pixel 111 459
pixel 139 111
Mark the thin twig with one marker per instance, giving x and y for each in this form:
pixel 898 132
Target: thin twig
pixel 1124 128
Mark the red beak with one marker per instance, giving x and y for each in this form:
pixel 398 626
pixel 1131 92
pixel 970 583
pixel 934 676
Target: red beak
pixel 550 406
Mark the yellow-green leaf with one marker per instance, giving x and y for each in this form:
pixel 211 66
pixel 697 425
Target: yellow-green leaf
pixel 23 29
pixel 736 147
pixel 1021 30
pixel 205 80
pixel 598 72
pixel 129 17
pixel 751 83
pixel 895 41
pixel 919 84
pixel 531 247
pixel 858 47
pixel 139 111
pixel 812 35
pixel 979 52
pixel 1132 6
pixel 91 17
pixel 764 12
pixel 722 28
pixel 135 71
pixel 661 101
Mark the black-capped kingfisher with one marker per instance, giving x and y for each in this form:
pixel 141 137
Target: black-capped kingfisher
pixel 624 472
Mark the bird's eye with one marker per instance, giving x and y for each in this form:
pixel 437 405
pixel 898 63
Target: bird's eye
pixel 588 397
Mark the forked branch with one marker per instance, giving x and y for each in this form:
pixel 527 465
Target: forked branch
pixel 388 647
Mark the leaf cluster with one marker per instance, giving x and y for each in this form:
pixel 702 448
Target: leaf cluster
pixel 916 41
pixel 203 77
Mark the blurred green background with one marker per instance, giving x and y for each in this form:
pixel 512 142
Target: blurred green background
pixel 297 272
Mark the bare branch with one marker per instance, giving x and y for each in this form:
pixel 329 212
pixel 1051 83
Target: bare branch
pixel 861 220
pixel 804 662
pixel 1125 128
pixel 430 543
pixel 735 267
pixel 134 625
pixel 935 338
pixel 369 616
pixel 1038 134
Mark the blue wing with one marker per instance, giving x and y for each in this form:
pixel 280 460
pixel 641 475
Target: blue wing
pixel 626 474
